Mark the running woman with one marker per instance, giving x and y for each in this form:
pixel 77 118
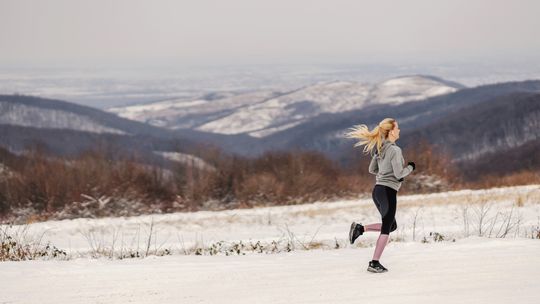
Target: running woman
pixel 387 165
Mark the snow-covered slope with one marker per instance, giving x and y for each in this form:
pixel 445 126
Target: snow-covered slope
pixel 285 111
pixel 182 113
pixel 410 88
pixel 29 116
pixel 262 113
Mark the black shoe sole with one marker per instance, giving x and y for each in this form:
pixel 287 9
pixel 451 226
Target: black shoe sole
pixel 375 270
pixel 351 232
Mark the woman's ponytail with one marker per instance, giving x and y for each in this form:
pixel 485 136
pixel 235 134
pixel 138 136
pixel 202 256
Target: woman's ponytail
pixel 371 138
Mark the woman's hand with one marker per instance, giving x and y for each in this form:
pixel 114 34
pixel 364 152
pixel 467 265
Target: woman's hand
pixel 412 164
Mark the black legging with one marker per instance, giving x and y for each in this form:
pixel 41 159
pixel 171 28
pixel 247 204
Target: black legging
pixel 385 200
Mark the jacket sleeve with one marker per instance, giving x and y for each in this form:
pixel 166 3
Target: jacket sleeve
pixel 397 164
pixel 373 165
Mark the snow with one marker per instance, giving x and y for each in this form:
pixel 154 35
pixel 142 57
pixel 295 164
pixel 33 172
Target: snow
pixel 290 109
pixel 268 131
pixel 409 88
pixel 262 113
pixel 265 118
pixel 133 112
pixel 29 116
pixel 186 159
pixel 180 113
pixel 471 269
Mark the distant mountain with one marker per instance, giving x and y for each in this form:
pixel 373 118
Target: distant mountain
pixel 479 127
pixel 29 111
pixel 20 114
pixel 190 114
pixel 64 128
pixel 497 136
pixel 262 113
pixel 468 124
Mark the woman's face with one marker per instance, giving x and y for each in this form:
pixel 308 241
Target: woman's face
pixel 395 131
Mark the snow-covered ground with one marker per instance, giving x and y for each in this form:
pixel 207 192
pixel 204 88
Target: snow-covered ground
pixel 473 270
pixel 464 267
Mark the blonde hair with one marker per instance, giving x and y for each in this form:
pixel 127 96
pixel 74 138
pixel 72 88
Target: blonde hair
pixel 371 138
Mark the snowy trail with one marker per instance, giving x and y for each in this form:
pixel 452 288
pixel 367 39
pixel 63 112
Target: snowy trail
pixel 471 270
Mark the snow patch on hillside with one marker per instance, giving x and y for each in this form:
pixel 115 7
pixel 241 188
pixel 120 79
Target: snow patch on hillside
pixel 28 116
pixel 408 88
pixel 182 113
pixel 186 159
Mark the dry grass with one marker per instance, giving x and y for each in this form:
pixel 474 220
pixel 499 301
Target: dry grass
pixel 472 197
pixel 281 214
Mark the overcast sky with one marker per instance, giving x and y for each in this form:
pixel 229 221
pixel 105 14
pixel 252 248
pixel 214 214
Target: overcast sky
pixel 176 32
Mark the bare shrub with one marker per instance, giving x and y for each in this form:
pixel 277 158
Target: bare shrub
pixel 434 172
pixel 524 177
pixel 489 221
pixel 104 182
pixel 17 245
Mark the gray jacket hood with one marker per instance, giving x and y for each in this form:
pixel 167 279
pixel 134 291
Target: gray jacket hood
pixel 386 144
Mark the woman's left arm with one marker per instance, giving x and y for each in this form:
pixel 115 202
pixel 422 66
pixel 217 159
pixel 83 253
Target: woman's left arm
pixel 397 164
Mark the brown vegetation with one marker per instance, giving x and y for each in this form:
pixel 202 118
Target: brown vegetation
pixel 94 184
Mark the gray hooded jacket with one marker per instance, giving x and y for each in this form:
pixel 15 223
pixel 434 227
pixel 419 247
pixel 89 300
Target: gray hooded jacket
pixel 388 167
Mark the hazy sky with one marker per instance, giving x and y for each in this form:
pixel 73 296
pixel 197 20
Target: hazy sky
pixel 163 32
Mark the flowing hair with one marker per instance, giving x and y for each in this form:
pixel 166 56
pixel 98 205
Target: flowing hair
pixel 371 138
